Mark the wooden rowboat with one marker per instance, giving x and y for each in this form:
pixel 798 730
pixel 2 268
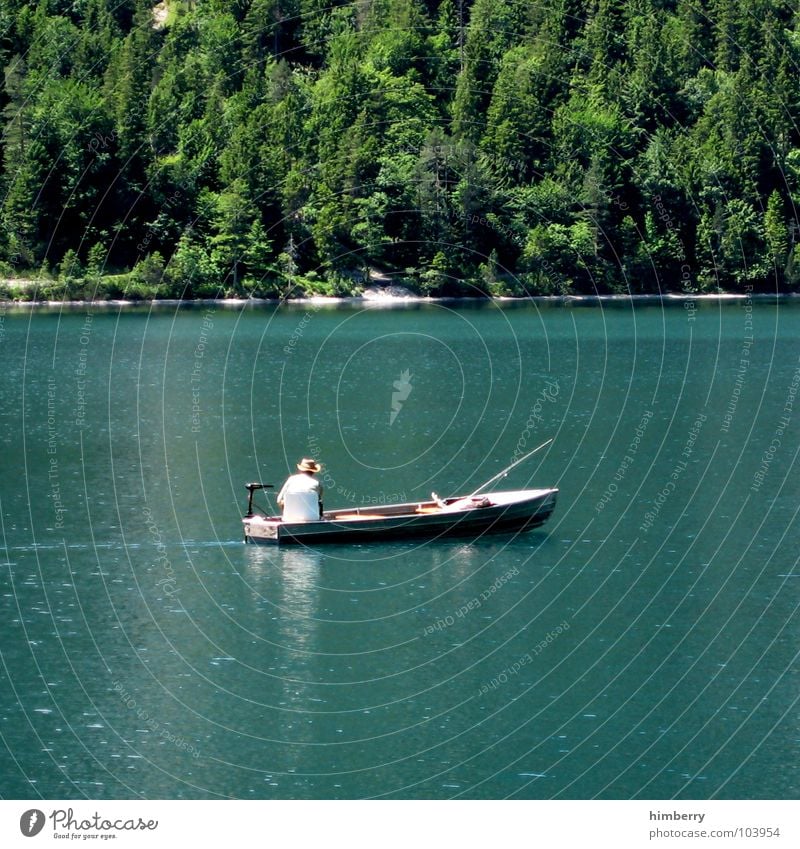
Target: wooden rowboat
pixel 466 516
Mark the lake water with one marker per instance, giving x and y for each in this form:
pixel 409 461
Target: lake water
pixel 642 644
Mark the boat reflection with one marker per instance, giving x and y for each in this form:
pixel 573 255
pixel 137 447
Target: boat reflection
pixel 286 589
pixel 287 579
pixel 300 591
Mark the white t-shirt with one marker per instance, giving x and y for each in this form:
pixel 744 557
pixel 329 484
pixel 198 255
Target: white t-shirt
pixel 300 483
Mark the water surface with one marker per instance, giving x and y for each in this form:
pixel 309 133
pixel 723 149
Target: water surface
pixel 641 644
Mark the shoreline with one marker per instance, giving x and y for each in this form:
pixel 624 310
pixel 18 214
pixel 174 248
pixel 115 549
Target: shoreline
pixel 387 300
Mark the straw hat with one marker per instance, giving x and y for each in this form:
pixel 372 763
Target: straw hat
pixel 308 465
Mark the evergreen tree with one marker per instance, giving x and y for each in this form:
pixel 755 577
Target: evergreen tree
pixel 581 144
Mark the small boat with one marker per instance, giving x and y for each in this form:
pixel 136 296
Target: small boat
pixel 465 516
pixel 470 515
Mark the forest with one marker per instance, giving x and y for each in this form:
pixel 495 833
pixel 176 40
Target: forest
pixel 270 148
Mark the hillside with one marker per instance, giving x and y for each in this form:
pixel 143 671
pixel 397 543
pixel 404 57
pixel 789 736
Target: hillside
pixel 502 146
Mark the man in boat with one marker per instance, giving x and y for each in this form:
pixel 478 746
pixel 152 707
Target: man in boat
pixel 303 482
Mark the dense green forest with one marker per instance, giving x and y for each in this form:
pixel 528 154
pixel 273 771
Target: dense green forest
pixel 269 147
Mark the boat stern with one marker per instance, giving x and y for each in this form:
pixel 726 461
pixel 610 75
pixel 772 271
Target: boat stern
pixel 259 529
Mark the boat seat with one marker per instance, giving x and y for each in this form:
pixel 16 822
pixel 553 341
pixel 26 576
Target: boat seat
pixel 301 507
pixel 350 516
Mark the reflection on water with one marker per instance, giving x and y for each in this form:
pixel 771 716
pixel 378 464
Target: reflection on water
pixel 299 581
pixel 287 580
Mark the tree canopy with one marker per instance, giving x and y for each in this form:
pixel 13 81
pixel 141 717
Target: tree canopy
pixel 459 146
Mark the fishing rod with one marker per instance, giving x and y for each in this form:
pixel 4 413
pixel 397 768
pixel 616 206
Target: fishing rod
pixel 508 469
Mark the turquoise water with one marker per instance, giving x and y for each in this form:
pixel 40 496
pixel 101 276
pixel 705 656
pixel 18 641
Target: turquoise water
pixel 642 644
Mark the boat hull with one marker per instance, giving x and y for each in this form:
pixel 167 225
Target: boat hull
pixel 506 512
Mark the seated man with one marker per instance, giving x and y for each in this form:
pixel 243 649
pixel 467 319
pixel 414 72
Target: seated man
pixel 303 482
